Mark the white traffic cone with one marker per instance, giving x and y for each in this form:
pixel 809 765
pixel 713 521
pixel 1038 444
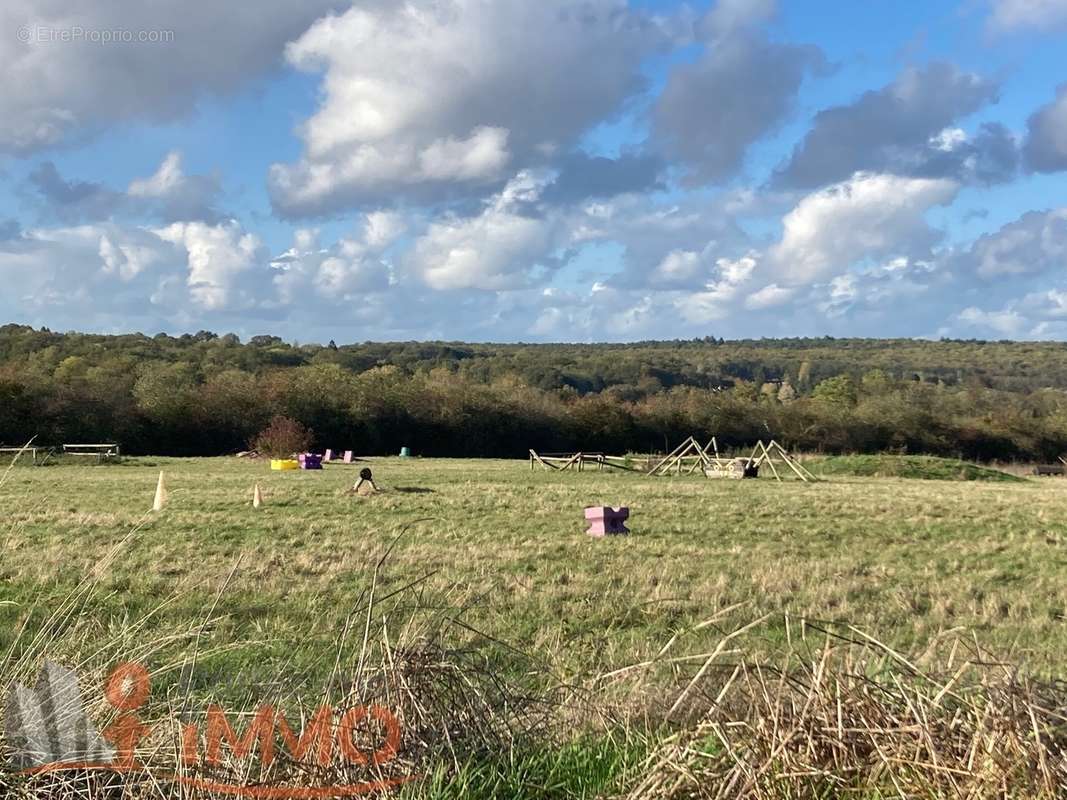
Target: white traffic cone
pixel 257 497
pixel 161 495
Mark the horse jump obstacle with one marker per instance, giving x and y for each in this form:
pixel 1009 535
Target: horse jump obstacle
pixel 690 457
pixel 687 457
pixel 100 451
pixel 772 451
pixel 605 520
pixel 562 461
pixel 1051 469
pixel 17 451
pixel 310 461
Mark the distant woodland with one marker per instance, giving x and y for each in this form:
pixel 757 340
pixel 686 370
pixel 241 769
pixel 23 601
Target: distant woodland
pixel 207 394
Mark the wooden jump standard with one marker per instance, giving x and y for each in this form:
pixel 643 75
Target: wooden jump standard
pixel 688 458
pixel 561 461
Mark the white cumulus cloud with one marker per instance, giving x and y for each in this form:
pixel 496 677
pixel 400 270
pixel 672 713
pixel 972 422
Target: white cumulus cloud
pixel 56 90
pixel 867 216
pixel 219 257
pixel 1015 15
pixel 500 248
pixel 420 96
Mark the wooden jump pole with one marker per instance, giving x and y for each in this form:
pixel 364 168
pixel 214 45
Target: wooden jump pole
pixel 702 457
pixel 770 462
pixel 570 461
pixel 668 460
pixel 802 472
pixel 535 457
pixel 675 459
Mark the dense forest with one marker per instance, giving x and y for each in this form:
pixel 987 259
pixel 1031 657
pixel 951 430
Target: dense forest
pixel 208 394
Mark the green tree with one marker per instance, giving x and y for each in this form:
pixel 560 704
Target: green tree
pixel 838 391
pixel 167 393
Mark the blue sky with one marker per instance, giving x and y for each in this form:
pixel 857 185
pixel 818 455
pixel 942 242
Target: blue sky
pixel 505 170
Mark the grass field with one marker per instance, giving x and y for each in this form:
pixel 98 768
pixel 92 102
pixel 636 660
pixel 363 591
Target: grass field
pixel 498 553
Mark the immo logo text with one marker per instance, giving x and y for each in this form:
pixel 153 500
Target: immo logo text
pixel 48 730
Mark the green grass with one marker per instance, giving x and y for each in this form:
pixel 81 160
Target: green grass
pixel 929 468
pixel 501 549
pixel 584 769
pixel 907 558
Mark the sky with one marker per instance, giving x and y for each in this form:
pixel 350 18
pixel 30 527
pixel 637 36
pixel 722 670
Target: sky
pixel 558 170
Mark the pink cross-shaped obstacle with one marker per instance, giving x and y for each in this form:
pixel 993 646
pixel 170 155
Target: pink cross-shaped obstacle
pixel 605 520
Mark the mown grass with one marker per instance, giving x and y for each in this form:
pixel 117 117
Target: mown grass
pixel 497 552
pixel 930 468
pixel 506 545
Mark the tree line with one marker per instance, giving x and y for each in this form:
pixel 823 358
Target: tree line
pixel 206 394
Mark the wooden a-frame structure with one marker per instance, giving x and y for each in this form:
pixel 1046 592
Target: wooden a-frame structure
pixel 769 454
pixel 688 458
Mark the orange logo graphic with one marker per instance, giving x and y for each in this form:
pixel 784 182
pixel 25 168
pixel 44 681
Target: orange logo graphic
pixel 48 730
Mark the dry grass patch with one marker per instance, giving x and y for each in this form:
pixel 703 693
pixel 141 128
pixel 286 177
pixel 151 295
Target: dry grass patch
pixel 842 715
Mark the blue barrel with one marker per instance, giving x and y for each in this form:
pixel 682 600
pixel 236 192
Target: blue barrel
pixel 405 452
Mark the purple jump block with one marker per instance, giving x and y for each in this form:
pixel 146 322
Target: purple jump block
pixel 310 461
pixel 607 520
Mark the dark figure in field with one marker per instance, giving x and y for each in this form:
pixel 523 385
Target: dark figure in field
pixel 365 477
pixel 1050 469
